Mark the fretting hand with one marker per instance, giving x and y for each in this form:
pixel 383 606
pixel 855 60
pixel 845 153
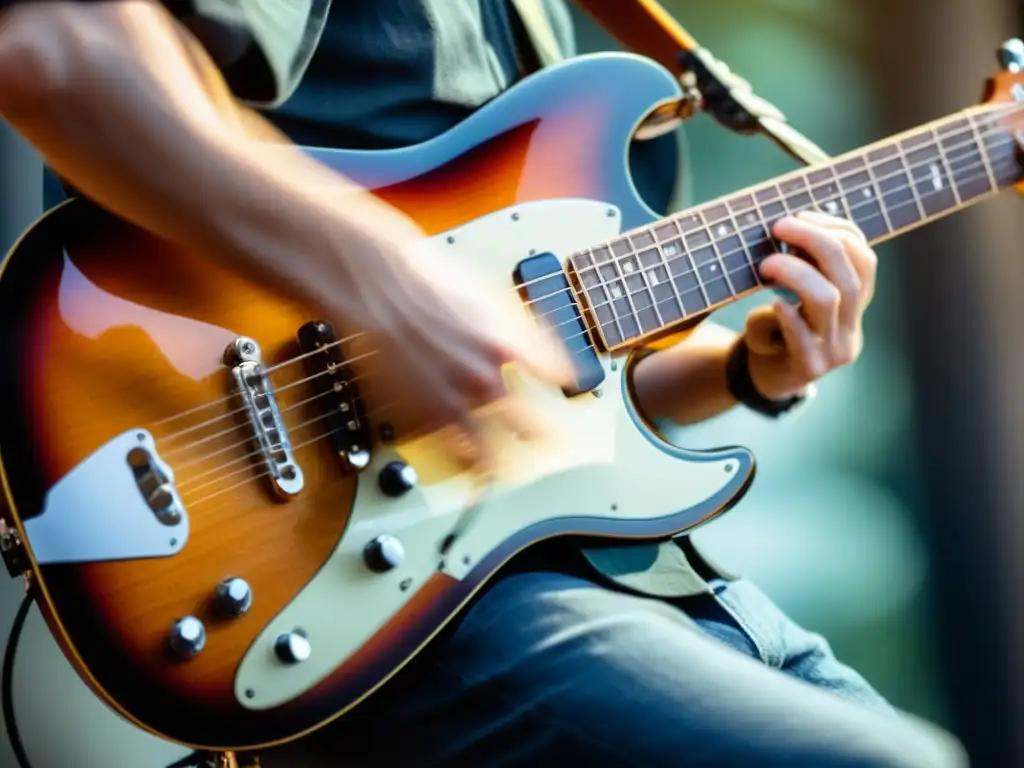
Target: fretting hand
pixel 834 280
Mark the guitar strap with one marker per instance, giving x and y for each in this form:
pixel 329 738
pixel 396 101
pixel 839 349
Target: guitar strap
pixel 645 27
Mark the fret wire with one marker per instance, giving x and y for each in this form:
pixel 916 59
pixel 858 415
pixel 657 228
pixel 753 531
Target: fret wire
pixel 945 164
pixel 982 151
pixel 910 179
pixel 715 250
pixel 642 271
pixel 689 254
pixel 762 241
pixel 878 193
pixel 610 302
pixel 625 290
pixel 756 203
pixel 766 226
pixel 667 265
pixel 738 230
pixel 843 202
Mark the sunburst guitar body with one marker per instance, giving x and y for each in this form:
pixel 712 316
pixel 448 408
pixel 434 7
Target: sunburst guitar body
pixel 233 547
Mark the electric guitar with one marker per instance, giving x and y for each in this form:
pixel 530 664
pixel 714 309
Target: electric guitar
pixel 234 548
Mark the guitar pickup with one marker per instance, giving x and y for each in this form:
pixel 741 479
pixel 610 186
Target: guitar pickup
pixel 336 394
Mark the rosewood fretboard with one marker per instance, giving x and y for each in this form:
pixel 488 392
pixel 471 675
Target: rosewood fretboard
pixel 686 265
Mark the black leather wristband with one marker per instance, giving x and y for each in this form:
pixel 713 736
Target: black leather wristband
pixel 741 385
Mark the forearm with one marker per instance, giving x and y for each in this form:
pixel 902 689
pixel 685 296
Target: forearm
pixel 121 105
pixel 686 383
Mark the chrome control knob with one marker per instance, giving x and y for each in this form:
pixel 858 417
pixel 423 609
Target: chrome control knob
pixel 1011 55
pixel 234 597
pixel 397 478
pixel 292 647
pixel 187 637
pixel 384 553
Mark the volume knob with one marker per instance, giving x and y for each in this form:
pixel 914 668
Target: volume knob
pixel 384 553
pixel 187 637
pixel 292 647
pixel 397 478
pixel 234 597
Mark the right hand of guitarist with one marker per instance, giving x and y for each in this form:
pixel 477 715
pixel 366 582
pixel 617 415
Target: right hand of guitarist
pixel 435 338
pixel 241 193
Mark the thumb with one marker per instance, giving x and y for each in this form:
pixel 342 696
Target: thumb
pixel 763 332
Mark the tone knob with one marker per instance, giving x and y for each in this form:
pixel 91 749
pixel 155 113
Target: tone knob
pixel 397 478
pixel 292 647
pixel 384 553
pixel 187 637
pixel 234 596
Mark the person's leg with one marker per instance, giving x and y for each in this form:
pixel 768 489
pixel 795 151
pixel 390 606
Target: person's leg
pixel 547 668
pixel 745 618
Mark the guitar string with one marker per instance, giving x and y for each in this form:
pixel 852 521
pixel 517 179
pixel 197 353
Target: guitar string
pixel 727 273
pixel 999 112
pixel 300 426
pixel 576 319
pixel 677 296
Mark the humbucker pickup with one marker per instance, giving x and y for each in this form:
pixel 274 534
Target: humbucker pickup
pixel 336 394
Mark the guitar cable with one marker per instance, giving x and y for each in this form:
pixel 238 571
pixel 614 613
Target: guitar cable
pixel 7 683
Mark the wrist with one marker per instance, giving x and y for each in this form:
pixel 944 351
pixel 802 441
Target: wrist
pixel 743 386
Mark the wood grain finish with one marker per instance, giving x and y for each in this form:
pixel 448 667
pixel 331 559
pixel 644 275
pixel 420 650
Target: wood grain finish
pixel 107 329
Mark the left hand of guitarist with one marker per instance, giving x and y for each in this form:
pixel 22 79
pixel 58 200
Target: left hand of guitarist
pixel 789 347
pixel 834 281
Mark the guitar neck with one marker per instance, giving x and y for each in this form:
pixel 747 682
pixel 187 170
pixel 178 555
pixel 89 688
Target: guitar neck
pixel 656 278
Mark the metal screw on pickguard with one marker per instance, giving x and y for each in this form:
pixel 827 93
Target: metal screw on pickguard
pixel 141 437
pixel 615 365
pixel 466 560
pixel 174 542
pixel 250 693
pixel 611 213
pixel 406 583
pixel 515 217
pixel 598 393
pixel 729 468
pixel 451 239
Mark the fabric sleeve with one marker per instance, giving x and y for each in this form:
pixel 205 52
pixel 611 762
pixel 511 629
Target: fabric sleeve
pixel 261 46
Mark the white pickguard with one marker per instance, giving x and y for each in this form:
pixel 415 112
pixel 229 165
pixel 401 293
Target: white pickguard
pixel 595 462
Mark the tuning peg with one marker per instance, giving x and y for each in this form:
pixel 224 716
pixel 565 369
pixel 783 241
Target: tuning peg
pixel 1011 55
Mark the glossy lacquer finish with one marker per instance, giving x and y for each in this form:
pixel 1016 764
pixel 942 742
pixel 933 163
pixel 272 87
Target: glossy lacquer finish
pixel 107 329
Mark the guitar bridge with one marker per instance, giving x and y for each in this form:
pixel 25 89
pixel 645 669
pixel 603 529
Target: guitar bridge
pixel 264 416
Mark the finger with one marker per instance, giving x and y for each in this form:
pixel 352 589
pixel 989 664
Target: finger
pixel 837 223
pixel 865 261
pixel 827 249
pixel 819 298
pixel 763 335
pixel 535 344
pixel 805 354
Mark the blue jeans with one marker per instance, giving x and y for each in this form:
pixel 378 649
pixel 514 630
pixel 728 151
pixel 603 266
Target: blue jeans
pixel 552 669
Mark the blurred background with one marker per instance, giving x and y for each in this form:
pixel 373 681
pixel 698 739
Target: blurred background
pixel 886 516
